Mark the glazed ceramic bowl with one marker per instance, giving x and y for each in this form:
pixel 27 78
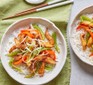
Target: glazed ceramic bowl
pixel 34 1
pixel 89 11
pixel 61 58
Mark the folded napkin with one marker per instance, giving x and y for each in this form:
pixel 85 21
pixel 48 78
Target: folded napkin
pixel 58 15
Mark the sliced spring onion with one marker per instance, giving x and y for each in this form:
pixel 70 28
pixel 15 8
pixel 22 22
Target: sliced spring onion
pixel 14 53
pixel 35 53
pixel 32 44
pixel 87 36
pixel 29 75
pixel 38 28
pixel 55 41
pixel 28 49
pixel 38 64
pixel 49 67
pixel 38 50
pixel 85 18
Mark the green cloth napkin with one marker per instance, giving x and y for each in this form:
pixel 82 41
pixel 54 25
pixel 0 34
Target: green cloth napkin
pixel 58 15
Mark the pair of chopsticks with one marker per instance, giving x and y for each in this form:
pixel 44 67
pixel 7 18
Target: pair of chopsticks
pixel 41 7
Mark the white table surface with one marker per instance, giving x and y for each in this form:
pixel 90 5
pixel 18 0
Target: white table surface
pixel 81 74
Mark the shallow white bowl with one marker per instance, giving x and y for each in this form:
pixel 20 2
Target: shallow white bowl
pixel 61 58
pixel 34 1
pixel 88 10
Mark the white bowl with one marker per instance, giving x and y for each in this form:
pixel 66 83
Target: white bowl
pixel 34 1
pixel 88 10
pixel 61 58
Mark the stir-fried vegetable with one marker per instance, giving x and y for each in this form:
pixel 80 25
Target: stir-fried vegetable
pixel 29 75
pixel 90 41
pixel 35 53
pixel 49 37
pixel 38 28
pixel 85 18
pixel 34 49
pixel 49 67
pixel 86 37
pixel 14 53
pixel 13 66
pixel 55 41
pixel 42 69
pixel 83 42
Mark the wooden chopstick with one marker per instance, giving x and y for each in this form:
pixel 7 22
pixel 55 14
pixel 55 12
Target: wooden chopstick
pixel 32 9
pixel 40 9
pixel 42 5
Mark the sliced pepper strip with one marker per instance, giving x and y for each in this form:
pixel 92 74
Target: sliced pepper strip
pixel 91 55
pixel 13 66
pixel 81 26
pixel 52 53
pixel 87 29
pixel 23 59
pixel 28 34
pixel 26 30
pixel 18 62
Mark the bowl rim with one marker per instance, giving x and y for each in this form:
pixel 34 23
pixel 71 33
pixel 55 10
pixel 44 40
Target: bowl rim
pixel 75 19
pixel 64 40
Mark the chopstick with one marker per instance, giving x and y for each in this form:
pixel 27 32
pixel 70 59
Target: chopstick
pixel 42 5
pixel 40 9
pixel 33 9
